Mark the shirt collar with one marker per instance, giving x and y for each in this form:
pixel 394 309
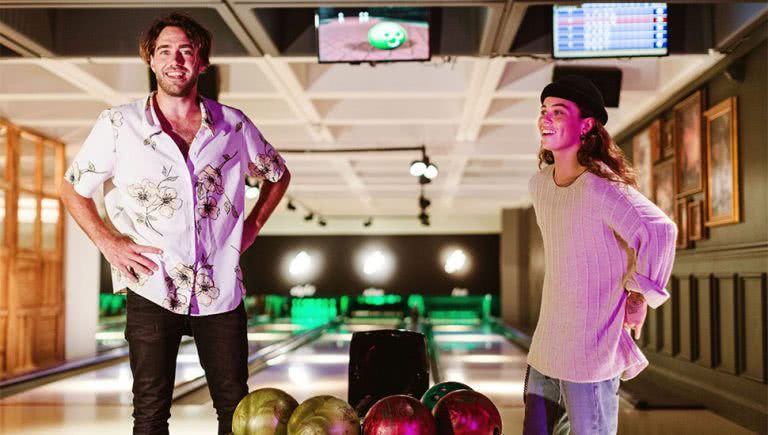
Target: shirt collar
pixel 152 123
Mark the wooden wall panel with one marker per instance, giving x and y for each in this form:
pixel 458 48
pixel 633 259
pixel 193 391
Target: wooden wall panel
pixel 46 337
pixel 753 324
pixel 704 320
pixel 652 330
pixel 670 323
pixel 26 291
pixel 727 328
pixel 687 328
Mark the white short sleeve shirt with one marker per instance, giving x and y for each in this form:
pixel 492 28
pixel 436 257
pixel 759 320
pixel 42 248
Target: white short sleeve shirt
pixel 191 209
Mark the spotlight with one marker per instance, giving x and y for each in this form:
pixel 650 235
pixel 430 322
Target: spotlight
pixel 418 167
pixel 291 206
pixel 424 180
pixel 368 222
pixel 309 216
pixel 424 202
pixel 322 222
pixel 431 171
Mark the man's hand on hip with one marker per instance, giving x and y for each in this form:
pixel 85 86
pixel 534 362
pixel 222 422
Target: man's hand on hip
pixel 125 255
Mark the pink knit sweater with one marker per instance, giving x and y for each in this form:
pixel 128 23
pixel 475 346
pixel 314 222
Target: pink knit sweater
pixel 600 238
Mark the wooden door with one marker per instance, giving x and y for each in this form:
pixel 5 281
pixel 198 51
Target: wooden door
pixel 34 297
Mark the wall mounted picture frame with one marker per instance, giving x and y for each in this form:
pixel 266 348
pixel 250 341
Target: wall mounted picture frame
pixel 645 151
pixel 681 218
pixel 722 163
pixel 689 145
pixel 667 146
pixel 695 214
pixel 664 187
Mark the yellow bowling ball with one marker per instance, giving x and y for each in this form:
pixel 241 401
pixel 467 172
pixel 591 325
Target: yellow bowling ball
pixel 263 412
pixel 324 415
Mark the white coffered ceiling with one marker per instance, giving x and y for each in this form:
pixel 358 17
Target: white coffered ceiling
pixel 474 114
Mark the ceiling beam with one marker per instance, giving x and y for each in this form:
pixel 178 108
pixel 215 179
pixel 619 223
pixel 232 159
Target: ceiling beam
pixel 284 79
pixel 514 14
pixel 354 182
pixel 230 16
pixel 482 88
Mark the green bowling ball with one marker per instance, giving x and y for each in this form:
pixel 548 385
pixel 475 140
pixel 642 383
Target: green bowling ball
pixel 324 415
pixel 265 411
pixel 438 391
pixel 387 36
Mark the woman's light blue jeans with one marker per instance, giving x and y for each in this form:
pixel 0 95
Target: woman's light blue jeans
pixel 554 406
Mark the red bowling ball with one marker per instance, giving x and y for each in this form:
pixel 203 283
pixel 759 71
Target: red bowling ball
pixel 399 415
pixel 466 412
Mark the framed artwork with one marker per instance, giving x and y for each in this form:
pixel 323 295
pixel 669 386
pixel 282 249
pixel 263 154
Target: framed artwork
pixel 645 150
pixel 667 148
pixel 722 164
pixel 689 145
pixel 696 228
pixel 664 187
pixel 681 218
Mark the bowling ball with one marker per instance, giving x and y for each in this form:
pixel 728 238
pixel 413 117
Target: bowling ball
pixel 466 412
pixel 398 415
pixel 387 35
pixel 263 412
pixel 324 415
pixel 438 391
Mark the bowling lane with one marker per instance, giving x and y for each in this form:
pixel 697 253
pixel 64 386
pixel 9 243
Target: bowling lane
pixel 112 385
pixel 489 363
pixel 319 367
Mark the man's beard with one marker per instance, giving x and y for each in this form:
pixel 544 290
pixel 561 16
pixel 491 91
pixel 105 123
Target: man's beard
pixel 174 90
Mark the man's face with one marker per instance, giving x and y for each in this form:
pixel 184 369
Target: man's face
pixel 176 62
pixel 561 125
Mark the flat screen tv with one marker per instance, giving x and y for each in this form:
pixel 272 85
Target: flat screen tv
pixel 377 34
pixel 594 30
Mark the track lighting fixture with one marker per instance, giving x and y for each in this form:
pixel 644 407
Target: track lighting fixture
pixel 368 222
pixel 424 169
pixel 290 205
pixel 309 216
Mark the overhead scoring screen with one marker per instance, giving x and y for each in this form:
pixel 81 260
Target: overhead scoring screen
pixel 609 30
pixel 377 34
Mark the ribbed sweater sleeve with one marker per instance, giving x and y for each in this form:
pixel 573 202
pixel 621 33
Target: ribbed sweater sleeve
pixel 649 232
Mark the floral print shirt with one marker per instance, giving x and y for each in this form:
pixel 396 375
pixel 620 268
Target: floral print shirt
pixel 191 209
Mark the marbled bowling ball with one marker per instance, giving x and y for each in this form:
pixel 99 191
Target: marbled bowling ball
pixel 466 412
pixel 263 412
pixel 399 415
pixel 324 415
pixel 438 391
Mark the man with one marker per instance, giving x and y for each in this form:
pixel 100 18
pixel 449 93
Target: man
pixel 608 251
pixel 177 162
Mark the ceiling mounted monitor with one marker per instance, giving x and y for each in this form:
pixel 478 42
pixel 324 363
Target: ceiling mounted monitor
pixel 609 30
pixel 377 34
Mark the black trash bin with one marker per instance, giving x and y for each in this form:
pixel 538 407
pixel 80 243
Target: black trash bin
pixel 386 362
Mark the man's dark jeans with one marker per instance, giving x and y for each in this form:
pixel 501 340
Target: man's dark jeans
pixel 154 334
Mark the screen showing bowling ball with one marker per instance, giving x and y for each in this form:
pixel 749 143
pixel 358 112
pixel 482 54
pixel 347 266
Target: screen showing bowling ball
pixel 609 30
pixel 383 34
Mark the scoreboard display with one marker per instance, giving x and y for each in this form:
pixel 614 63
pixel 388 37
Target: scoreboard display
pixel 609 30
